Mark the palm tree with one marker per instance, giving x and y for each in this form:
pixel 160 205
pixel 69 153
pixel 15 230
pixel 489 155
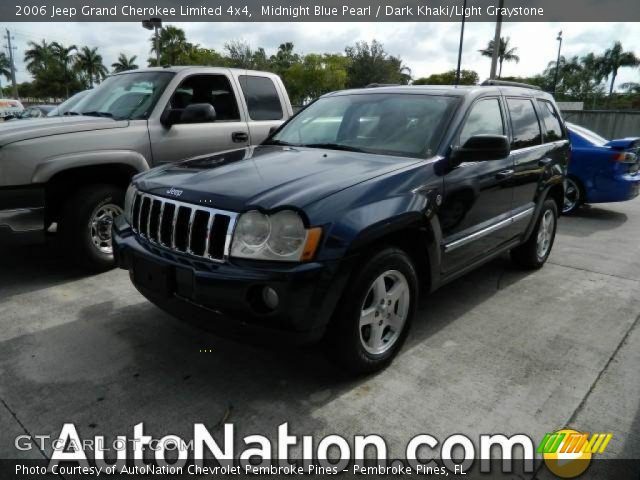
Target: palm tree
pixel 65 56
pixel 123 64
pixel 505 53
pixel 615 58
pixel 5 68
pixel 38 56
pixel 173 44
pixel 89 62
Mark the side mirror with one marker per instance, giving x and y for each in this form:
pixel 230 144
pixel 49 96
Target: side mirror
pixel 194 113
pixel 480 148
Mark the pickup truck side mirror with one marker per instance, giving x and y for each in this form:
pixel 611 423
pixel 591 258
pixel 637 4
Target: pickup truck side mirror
pixel 194 113
pixel 480 148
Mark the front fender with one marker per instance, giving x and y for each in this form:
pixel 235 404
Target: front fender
pixel 52 165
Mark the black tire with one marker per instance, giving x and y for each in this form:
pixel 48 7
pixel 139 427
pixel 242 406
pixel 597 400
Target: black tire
pixel 573 187
pixel 345 337
pixel 528 255
pixel 75 227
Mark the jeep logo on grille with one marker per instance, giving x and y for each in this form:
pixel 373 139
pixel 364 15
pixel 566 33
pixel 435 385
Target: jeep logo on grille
pixel 174 191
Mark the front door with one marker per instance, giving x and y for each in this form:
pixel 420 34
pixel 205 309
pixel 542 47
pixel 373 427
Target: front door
pixel 478 196
pixel 228 131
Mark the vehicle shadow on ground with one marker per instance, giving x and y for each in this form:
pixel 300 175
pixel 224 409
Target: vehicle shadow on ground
pixel 116 366
pixel 25 269
pixel 589 220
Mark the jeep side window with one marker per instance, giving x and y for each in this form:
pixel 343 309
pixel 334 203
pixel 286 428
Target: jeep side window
pixel 212 89
pixel 551 121
pixel 524 123
pixel 263 101
pixel 485 117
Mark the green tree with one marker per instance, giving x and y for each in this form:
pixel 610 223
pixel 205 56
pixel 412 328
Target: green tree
pixel 174 48
pixel 467 77
pixel 314 75
pixel 5 69
pixel 89 64
pixel 505 54
pixel 284 58
pixel 124 63
pixel 65 57
pixel 613 59
pixel 38 56
pixel 370 63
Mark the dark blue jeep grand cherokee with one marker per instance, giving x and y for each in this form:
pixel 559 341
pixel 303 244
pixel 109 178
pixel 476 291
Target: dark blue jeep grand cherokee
pixel 329 228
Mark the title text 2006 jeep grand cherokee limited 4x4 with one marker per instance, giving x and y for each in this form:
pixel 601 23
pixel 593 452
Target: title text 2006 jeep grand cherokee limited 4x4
pixel 329 227
pixel 74 170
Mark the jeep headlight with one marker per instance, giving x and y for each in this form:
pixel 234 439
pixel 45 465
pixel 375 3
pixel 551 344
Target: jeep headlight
pixel 280 237
pixel 129 197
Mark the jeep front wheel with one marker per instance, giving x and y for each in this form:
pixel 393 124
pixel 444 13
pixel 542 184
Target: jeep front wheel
pixel 86 225
pixel 372 322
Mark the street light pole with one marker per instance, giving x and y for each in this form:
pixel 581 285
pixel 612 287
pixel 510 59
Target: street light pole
pixel 496 43
pixel 154 24
pixel 555 77
pixel 464 9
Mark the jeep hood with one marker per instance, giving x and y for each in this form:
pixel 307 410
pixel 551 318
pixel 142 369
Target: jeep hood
pixel 19 130
pixel 267 176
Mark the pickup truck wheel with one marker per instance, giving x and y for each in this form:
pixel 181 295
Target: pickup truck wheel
pixel 376 311
pixel 86 225
pixel 535 251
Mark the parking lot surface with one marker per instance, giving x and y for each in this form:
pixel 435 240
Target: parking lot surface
pixel 497 351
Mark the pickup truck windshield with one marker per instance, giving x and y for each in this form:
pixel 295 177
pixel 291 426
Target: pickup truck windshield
pixel 407 125
pixel 129 96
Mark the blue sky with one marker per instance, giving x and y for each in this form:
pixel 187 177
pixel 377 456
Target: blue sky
pixel 425 47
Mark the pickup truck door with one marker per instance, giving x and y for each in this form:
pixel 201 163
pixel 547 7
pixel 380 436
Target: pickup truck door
pixel 228 131
pixel 478 196
pixel 263 98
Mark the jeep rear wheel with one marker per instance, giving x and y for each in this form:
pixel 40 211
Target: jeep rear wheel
pixel 86 225
pixel 375 313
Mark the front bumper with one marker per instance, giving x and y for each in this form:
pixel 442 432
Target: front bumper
pixel 226 298
pixel 21 215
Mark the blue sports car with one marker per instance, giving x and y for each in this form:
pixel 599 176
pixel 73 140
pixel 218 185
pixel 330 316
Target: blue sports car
pixel 600 170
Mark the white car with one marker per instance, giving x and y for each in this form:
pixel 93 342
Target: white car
pixel 10 107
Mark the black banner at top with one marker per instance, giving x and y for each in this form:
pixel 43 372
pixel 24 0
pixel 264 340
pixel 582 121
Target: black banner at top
pixel 319 10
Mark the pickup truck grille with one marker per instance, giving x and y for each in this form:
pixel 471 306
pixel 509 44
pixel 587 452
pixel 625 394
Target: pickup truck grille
pixel 194 230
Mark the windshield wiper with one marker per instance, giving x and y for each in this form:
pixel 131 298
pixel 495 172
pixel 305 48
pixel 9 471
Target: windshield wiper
pixel 333 146
pixel 98 114
pixel 71 112
pixel 280 142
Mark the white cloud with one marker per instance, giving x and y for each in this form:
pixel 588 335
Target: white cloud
pixel 425 47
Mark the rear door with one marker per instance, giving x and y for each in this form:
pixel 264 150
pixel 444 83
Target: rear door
pixel 264 104
pixel 475 214
pixel 228 131
pixel 529 156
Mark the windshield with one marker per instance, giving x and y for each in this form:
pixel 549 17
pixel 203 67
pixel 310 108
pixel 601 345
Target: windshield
pixel 406 125
pixel 128 96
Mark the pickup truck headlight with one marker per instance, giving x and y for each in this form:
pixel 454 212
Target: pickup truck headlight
pixel 280 237
pixel 128 203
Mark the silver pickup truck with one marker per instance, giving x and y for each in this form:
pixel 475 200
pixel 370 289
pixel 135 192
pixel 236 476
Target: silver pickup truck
pixel 70 173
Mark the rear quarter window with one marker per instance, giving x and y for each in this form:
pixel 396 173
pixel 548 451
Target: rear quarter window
pixel 524 123
pixel 263 101
pixel 551 122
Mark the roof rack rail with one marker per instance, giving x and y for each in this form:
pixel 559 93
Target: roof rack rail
pixel 377 85
pixel 504 83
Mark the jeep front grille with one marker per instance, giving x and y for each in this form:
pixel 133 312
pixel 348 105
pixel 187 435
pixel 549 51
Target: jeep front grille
pixel 183 227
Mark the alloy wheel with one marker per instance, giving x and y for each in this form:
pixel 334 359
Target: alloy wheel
pixel 384 312
pixel 571 195
pixel 545 233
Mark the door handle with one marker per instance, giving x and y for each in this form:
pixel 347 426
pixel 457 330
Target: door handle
pixel 505 174
pixel 239 137
pixel 544 162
